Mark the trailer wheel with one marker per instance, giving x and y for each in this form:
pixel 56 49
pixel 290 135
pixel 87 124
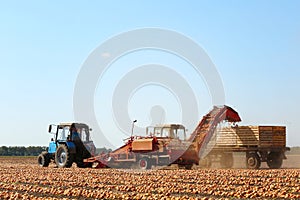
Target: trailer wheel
pixel 226 160
pixel 44 159
pixel 253 161
pixel 144 163
pixel 63 157
pixel 274 160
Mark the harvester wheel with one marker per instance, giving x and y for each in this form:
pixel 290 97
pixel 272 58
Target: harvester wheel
pixel 274 160
pixel 84 165
pixel 144 163
pixel 253 161
pixel 63 157
pixel 188 166
pixel 43 159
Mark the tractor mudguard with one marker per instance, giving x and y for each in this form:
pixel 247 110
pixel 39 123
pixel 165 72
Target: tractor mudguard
pixel 71 146
pixel 52 147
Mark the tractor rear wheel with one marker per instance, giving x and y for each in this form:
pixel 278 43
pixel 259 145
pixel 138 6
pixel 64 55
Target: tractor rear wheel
pixel 44 159
pixel 144 163
pixel 274 160
pixel 63 157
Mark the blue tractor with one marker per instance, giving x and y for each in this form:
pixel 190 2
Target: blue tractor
pixel 71 144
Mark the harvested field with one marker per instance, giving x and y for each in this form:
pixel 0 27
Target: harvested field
pixel 21 178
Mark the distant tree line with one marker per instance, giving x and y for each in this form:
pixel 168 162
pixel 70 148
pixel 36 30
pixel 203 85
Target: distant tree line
pixel 21 151
pixel 33 150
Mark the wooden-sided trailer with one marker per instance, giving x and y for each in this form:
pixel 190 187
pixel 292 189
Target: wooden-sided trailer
pixel 260 144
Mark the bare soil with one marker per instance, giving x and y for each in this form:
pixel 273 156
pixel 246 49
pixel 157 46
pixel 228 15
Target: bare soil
pixel 22 178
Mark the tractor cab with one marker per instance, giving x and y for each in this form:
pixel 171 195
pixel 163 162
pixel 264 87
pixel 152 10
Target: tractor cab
pixel 171 131
pixel 71 143
pixel 71 131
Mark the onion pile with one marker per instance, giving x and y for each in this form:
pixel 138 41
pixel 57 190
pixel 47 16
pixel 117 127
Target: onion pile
pixel 24 179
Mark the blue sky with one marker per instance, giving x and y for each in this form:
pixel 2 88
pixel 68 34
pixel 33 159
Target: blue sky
pixel 254 45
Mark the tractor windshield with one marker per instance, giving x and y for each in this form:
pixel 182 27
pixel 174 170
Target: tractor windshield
pixel 63 133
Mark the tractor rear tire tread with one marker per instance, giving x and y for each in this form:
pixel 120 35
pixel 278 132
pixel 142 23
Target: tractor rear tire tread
pixel 63 157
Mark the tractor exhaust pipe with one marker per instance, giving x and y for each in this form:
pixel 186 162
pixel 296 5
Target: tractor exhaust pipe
pixel 132 128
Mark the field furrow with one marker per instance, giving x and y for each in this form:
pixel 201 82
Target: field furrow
pixel 23 179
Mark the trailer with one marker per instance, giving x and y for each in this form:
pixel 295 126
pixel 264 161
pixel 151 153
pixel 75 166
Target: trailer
pixel 259 143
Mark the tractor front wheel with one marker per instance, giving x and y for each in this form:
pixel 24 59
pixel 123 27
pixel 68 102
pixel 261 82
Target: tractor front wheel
pixel 63 157
pixel 44 159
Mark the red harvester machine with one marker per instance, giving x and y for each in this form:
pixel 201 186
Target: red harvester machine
pixel 166 144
